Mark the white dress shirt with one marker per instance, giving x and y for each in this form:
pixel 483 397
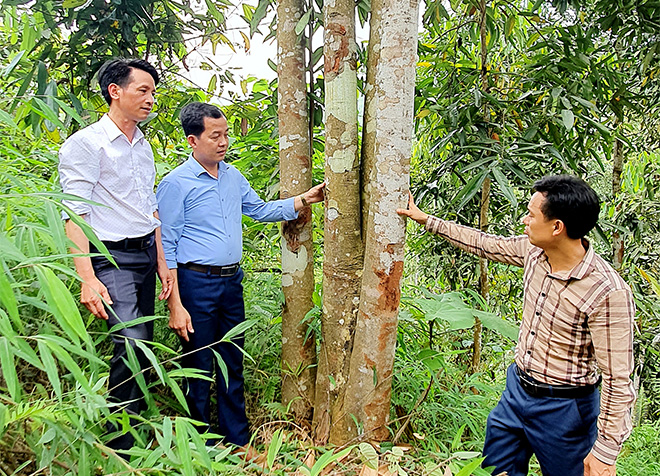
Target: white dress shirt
pixel 99 164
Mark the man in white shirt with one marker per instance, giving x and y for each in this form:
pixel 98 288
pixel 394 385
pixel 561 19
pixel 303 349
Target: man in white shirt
pixel 111 163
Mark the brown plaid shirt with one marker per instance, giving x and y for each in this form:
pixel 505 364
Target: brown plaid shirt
pixel 573 323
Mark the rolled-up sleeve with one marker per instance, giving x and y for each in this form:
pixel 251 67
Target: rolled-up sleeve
pixel 171 212
pixel 508 250
pixel 79 171
pixel 254 207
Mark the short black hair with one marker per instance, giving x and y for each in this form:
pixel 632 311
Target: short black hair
pixel 570 200
pixel 118 71
pixel 192 117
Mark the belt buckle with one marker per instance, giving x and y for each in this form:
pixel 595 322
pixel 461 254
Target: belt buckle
pixel 148 242
pixel 227 271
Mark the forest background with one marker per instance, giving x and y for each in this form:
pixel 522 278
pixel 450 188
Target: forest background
pixel 505 92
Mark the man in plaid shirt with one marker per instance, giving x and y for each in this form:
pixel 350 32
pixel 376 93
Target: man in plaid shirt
pixel 577 329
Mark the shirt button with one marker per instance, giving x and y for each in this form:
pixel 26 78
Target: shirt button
pixel 533 333
pixel 538 313
pixel 529 352
pixel 542 294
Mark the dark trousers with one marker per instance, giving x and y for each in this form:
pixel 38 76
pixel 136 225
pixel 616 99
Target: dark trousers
pixel 215 304
pixel 560 431
pixel 132 288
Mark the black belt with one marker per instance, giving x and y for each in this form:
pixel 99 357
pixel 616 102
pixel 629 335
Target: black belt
pixel 535 388
pixel 224 271
pixel 135 244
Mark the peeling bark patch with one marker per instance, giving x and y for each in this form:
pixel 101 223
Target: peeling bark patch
pixel 342 51
pixel 387 330
pixel 388 286
pixel 291 230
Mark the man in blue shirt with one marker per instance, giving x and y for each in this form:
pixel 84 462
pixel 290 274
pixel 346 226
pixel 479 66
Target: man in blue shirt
pixel 200 205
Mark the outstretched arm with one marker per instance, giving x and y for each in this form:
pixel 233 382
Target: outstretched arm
pixel 413 211
pixel 496 248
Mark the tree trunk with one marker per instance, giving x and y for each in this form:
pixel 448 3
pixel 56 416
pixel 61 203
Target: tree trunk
pixel 368 128
pixel 485 190
pixel 483 275
pixel 367 396
pixel 342 263
pixel 298 348
pixel 617 169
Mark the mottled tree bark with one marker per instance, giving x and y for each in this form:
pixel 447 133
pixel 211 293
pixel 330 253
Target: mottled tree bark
pixel 485 189
pixel 367 396
pixel 342 263
pixel 368 128
pixel 298 349
pixel 483 275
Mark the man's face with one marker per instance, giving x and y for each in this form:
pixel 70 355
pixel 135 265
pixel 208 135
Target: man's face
pixel 136 99
pixel 211 145
pixel 538 228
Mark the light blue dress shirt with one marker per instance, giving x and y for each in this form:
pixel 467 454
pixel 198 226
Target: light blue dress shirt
pixel 201 215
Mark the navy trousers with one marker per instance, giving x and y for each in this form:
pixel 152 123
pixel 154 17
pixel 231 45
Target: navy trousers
pixel 559 431
pixel 215 304
pixel 132 288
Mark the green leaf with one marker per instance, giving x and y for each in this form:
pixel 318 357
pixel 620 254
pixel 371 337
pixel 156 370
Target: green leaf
pixel 183 447
pixel 466 454
pixel 510 24
pixel 73 3
pixel 42 109
pixel 55 228
pixel 65 358
pixel 470 189
pixel 12 64
pixel 212 84
pixel 222 366
pixel 200 446
pixel 178 393
pixel 432 359
pixel 259 14
pixel 50 367
pixel 23 351
pixel 6 118
pixel 71 112
pixel 153 359
pixel 568 118
pixel 369 455
pixel 458 437
pixel 505 187
pixel 3 418
pixel 138 371
pixel 448 308
pixel 9 370
pixel 134 322
pixel 470 467
pixel 61 304
pixel 326 458
pixel 497 324
pixel 304 20
pixel 9 251
pixel 238 330
pixel 166 439
pixel 8 300
pixel 274 448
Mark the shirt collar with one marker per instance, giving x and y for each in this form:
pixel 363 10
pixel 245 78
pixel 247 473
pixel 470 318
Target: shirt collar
pixel 582 269
pixel 114 132
pixel 587 264
pixel 199 170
